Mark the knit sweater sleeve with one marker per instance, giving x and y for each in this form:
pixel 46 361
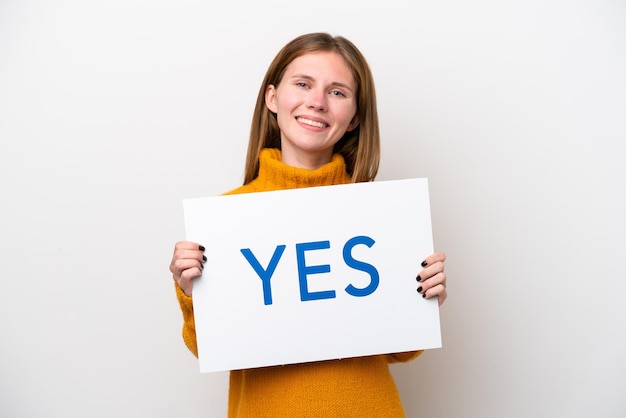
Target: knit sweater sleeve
pixel 189 323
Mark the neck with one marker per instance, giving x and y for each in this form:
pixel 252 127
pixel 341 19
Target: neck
pixel 311 160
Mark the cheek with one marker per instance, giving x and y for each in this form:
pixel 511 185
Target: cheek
pixel 348 114
pixel 285 105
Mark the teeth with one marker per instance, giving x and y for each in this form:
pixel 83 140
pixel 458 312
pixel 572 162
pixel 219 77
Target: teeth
pixel 312 122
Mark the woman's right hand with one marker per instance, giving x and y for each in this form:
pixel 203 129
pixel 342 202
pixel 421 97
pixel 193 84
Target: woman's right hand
pixel 187 263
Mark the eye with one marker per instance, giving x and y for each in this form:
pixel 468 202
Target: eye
pixel 337 93
pixel 302 84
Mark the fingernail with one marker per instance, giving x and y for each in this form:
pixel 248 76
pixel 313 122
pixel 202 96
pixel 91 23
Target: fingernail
pixel 419 289
pixel 424 294
pixel 201 266
pixel 201 248
pixel 424 263
pixel 418 278
pixel 204 257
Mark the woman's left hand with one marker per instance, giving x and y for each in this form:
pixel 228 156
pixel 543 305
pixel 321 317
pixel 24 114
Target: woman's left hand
pixel 431 279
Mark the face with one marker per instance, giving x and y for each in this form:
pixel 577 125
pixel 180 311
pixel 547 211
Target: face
pixel 315 104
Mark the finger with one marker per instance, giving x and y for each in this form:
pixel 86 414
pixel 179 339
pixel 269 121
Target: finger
pixel 189 254
pixel 183 252
pixel 181 263
pixel 185 280
pixel 182 247
pixel 439 291
pixel 438 279
pixel 188 245
pixel 179 266
pixel 434 258
pixel 188 249
pixel 434 280
pixel 430 271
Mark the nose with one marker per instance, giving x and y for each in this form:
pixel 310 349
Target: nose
pixel 317 100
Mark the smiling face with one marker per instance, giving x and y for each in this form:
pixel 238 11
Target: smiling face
pixel 315 104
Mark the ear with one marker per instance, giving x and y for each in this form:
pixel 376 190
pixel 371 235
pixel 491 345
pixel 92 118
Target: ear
pixel 353 123
pixel 270 98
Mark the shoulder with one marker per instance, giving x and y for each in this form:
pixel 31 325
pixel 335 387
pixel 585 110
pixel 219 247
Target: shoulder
pixel 246 188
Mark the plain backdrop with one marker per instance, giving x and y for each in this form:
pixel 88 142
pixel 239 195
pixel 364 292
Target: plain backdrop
pixel 112 112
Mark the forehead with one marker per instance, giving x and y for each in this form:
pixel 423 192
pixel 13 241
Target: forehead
pixel 323 66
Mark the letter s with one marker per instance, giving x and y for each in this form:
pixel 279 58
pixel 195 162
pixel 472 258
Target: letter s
pixel 360 265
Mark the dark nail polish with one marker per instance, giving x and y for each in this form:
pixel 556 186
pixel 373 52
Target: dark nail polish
pixel 419 289
pixel 424 263
pixel 201 266
pixel 424 295
pixel 201 248
pixel 418 278
pixel 203 257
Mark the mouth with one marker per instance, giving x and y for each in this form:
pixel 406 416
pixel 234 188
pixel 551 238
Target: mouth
pixel 316 124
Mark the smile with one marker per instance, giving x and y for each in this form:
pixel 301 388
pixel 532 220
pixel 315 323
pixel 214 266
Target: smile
pixel 312 123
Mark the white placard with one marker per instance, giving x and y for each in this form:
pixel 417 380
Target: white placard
pixel 311 274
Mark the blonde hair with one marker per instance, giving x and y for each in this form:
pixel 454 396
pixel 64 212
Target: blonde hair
pixel 360 147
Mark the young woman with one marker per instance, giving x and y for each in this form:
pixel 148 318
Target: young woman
pixel 315 124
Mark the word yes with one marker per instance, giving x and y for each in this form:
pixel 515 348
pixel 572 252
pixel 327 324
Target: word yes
pixel 304 270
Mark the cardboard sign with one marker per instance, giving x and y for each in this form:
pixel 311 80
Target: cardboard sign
pixel 312 274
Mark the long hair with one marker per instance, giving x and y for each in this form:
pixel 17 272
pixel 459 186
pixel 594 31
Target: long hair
pixel 360 147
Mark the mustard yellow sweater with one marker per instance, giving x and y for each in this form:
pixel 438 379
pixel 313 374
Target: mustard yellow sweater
pixel 355 387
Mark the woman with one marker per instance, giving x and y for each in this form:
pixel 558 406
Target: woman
pixel 315 124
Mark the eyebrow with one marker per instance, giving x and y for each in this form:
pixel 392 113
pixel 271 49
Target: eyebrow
pixel 333 84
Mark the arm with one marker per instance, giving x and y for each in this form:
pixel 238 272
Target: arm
pixel 187 263
pixel 189 324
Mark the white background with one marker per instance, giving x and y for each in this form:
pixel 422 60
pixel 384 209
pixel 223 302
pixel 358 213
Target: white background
pixel 112 112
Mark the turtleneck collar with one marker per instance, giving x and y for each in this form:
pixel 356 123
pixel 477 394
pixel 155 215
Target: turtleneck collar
pixel 276 175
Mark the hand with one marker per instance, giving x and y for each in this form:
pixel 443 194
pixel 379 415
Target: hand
pixel 187 263
pixel 432 279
